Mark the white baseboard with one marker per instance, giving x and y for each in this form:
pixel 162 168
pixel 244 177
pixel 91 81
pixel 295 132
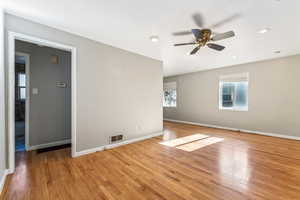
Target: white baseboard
pixel 236 129
pixel 51 144
pixel 2 180
pixel 10 171
pixel 88 151
pixel 110 146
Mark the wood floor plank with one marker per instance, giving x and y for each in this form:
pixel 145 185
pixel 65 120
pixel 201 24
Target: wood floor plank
pixel 238 167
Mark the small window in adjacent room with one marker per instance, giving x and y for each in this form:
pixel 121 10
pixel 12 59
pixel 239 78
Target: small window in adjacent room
pixel 169 94
pixel 22 86
pixel 233 92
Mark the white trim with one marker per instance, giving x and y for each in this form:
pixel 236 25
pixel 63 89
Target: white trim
pixel 200 124
pixel 12 36
pixel 2 102
pixel 9 171
pixel 11 101
pixel 110 146
pixel 51 144
pixel 170 85
pixel 73 100
pixel 238 109
pixel 236 129
pixel 240 77
pixel 27 100
pixel 2 180
pixel 88 151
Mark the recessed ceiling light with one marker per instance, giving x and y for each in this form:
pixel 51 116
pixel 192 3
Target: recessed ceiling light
pixel 154 38
pixel 265 30
pixel 234 57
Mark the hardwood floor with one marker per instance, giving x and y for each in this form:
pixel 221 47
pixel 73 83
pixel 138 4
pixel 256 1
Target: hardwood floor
pixel 235 166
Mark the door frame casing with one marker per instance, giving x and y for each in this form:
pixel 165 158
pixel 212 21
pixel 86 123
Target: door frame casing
pixel 27 100
pixel 12 37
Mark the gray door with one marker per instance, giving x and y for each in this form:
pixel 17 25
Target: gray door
pixel 50 95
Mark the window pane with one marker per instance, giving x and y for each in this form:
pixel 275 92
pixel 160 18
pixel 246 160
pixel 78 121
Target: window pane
pixel 241 94
pixel 22 93
pixel 234 95
pixel 169 98
pixel 22 80
pixel 227 94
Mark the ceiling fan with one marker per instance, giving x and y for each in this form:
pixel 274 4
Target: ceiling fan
pixel 203 38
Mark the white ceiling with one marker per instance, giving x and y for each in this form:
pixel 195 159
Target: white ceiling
pixel 129 24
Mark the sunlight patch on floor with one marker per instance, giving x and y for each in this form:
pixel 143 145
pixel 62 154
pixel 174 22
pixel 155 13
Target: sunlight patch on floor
pixel 184 140
pixel 199 144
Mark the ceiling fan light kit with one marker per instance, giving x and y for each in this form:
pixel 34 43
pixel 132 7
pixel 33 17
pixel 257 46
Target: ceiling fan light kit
pixel 203 37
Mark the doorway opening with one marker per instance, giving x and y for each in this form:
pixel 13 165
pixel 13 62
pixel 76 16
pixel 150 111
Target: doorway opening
pixel 41 95
pixel 21 100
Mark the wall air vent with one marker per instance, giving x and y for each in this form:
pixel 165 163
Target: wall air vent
pixel 115 138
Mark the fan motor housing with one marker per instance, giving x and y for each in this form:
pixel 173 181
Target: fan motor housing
pixel 205 38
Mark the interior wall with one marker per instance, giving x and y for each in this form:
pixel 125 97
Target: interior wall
pixel 117 91
pixel 2 107
pixel 50 109
pixel 273 97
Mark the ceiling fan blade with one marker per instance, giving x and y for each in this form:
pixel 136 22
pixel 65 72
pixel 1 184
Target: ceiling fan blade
pixel 215 46
pixel 188 43
pixel 182 33
pixel 225 21
pixel 198 19
pixel 223 36
pixel 197 33
pixel 195 50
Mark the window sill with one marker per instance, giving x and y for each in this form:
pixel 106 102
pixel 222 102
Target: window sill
pixel 169 107
pixel 234 109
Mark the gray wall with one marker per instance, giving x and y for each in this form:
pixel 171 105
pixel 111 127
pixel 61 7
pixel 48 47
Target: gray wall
pixel 274 97
pixel 50 109
pixel 117 91
pixel 2 116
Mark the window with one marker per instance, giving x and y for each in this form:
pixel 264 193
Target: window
pixel 234 92
pixel 22 86
pixel 169 94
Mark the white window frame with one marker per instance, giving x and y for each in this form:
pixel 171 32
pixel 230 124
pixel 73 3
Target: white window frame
pixel 233 78
pixel 170 86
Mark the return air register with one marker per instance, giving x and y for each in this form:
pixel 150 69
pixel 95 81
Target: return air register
pixel 115 138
